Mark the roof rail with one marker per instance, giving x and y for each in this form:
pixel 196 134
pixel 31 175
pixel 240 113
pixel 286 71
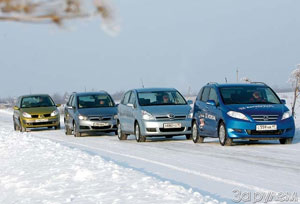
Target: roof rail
pixel 211 83
pixel 258 82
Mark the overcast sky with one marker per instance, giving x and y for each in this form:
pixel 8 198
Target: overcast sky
pixel 169 43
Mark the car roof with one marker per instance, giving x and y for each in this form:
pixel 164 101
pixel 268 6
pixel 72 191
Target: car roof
pixel 239 85
pixel 32 95
pixel 154 89
pixel 90 93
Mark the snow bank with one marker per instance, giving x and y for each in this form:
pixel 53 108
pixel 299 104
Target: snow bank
pixel 35 170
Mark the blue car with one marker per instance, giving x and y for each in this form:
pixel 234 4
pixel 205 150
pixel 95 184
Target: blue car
pixel 241 111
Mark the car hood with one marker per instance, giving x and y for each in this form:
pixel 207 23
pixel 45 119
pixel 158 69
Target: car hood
pixel 39 110
pixel 168 109
pixel 259 109
pixel 98 111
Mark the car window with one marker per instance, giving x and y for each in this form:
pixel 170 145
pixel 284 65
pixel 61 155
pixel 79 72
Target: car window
pixel 205 94
pixel 70 100
pixel 73 102
pixel 95 101
pixel 36 101
pixel 199 95
pixel 126 98
pixel 132 98
pixel 161 98
pixel 213 96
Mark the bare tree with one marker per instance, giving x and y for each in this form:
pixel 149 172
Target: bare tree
pixel 56 11
pixel 295 81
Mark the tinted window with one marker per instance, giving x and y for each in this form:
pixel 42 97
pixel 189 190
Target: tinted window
pixel 36 101
pixel 95 101
pixel 161 98
pixel 205 94
pixel 126 98
pixel 70 101
pixel 248 95
pixel 213 96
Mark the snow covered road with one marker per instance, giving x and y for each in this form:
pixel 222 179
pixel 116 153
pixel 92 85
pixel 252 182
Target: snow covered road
pixel 158 171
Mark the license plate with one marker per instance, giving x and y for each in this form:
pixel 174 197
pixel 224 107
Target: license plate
pixel 41 120
pixel 100 124
pixel 266 127
pixel 172 125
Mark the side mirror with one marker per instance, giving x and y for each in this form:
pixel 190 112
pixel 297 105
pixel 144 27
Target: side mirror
pixel 283 101
pixel 130 105
pixel 16 108
pixel 211 103
pixel 58 105
pixel 70 107
pixel 190 102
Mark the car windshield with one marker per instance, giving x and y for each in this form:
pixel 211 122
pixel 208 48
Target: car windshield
pixel 161 98
pixel 95 101
pixel 36 101
pixel 248 95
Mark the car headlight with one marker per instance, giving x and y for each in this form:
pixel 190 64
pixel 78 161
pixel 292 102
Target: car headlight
pixel 147 116
pixel 26 115
pixel 115 117
pixel 237 115
pixel 81 117
pixel 191 114
pixel 54 113
pixel 286 115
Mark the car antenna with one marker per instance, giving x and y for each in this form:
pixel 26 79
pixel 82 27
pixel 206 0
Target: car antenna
pixel 142 83
pixel 226 80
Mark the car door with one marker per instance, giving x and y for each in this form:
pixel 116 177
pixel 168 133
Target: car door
pixel 123 109
pixel 201 109
pixel 131 111
pixel 213 113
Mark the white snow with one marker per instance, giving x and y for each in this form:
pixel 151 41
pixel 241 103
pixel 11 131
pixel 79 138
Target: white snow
pixel 35 170
pixel 46 166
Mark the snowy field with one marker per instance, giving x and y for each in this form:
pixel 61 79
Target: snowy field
pixel 49 167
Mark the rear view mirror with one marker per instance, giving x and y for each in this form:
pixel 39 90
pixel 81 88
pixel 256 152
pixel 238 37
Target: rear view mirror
pixel 283 101
pixel 16 108
pixel 190 102
pixel 211 103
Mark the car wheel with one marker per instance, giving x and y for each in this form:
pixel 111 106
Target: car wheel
pixel 195 135
pixel 75 131
pixel 23 129
pixel 138 136
pixel 121 135
pixel 169 137
pixel 15 126
pixel 223 137
pixel 286 141
pixel 57 127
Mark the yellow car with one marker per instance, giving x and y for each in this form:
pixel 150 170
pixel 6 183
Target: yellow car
pixel 35 111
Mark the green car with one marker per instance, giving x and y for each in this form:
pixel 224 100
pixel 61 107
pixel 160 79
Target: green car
pixel 35 111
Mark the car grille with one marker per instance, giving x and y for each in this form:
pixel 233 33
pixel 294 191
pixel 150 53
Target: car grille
pixel 271 132
pixel 101 128
pixel 99 118
pixel 41 116
pixel 41 123
pixel 168 117
pixel 265 118
pixel 171 129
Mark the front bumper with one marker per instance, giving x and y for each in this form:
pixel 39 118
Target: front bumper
pixel 238 129
pixel 156 128
pixel 44 122
pixel 97 126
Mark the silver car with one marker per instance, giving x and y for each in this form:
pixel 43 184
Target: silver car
pixel 154 112
pixel 90 112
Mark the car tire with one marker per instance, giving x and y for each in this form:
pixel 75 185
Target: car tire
pixel 75 131
pixel 286 141
pixel 223 136
pixel 188 136
pixel 23 129
pixel 16 127
pixel 169 137
pixel 121 135
pixel 68 131
pixel 57 127
pixel 138 136
pixel 195 135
